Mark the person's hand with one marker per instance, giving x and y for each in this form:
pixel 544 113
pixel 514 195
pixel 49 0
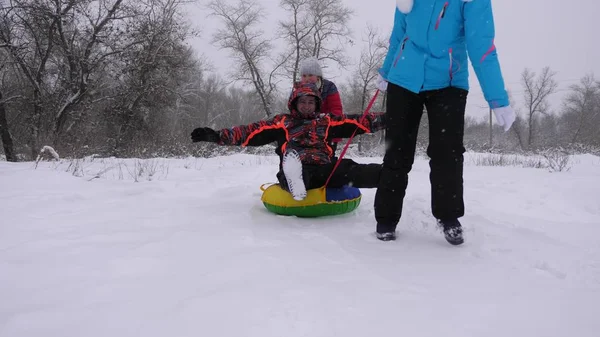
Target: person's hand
pixel 505 116
pixel 381 83
pixel 205 135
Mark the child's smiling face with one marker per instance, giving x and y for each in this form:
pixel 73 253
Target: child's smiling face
pixel 306 105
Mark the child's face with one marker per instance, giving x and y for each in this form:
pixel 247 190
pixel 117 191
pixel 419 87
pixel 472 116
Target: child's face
pixel 309 78
pixel 306 105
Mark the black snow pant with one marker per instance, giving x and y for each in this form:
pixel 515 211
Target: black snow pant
pixel 348 172
pixel 446 112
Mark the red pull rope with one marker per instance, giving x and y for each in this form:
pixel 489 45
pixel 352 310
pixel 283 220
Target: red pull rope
pixel 353 134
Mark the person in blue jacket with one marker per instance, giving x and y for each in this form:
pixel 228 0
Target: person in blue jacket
pixel 426 66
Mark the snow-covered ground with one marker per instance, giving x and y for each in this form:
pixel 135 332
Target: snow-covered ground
pixel 189 250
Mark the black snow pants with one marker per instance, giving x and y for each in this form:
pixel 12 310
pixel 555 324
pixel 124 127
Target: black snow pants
pixel 348 172
pixel 446 112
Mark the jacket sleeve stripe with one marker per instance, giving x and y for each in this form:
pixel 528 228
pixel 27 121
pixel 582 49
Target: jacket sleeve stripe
pixel 278 125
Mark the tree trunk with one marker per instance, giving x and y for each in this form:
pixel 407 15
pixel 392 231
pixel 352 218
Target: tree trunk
pixel 35 124
pixel 7 142
pixel 530 138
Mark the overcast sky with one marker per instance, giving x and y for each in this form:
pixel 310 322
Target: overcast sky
pixel 529 33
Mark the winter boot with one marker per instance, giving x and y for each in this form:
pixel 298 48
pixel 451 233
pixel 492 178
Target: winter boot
pixel 452 231
pixel 292 168
pixel 388 236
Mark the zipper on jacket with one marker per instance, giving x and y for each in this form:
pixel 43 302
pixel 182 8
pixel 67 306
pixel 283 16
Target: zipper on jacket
pixel 401 50
pixel 441 15
pixel 450 69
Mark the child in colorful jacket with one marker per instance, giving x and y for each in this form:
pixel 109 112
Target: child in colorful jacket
pixel 303 137
pixel 331 102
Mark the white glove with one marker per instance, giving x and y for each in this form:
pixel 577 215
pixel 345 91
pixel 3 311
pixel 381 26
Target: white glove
pixel 381 83
pixel 505 116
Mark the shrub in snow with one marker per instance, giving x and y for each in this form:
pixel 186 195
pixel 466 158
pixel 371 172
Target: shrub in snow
pixel 557 159
pixel 46 152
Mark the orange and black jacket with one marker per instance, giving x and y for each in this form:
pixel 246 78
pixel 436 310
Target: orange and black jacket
pixel 307 136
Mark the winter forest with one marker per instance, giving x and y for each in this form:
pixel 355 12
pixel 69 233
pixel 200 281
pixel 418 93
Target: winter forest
pixel 119 78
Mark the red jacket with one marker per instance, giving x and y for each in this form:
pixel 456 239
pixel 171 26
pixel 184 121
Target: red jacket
pixel 332 103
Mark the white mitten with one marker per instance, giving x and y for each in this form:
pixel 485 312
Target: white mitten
pixel 381 83
pixel 505 116
pixel 404 6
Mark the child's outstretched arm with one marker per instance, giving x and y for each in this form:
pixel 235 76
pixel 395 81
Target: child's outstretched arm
pixel 255 134
pixel 343 127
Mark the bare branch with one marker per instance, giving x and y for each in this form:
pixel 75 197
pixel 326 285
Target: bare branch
pixel 315 28
pixel 247 44
pixel 11 98
pixel 536 92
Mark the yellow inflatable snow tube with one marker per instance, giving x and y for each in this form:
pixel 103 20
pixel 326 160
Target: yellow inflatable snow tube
pixel 318 202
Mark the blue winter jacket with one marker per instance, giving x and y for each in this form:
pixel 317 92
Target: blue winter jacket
pixel 428 48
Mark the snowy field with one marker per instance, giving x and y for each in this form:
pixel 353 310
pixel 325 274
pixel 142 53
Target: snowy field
pixel 184 247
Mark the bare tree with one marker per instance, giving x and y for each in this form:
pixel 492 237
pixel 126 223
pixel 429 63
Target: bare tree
pixel 248 45
pixel 536 93
pixel 84 66
pixel 208 100
pixel 331 23
pixel 27 33
pixel 318 28
pixel 59 47
pixel 361 86
pixel 86 36
pixel 294 31
pixel 581 108
pixel 6 137
pixel 519 128
pixel 155 74
pixel 549 134
pixel 370 59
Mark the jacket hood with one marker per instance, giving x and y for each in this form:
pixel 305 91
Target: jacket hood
pixel 304 89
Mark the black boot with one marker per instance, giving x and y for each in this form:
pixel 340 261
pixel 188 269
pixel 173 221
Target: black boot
pixel 452 231
pixel 388 236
